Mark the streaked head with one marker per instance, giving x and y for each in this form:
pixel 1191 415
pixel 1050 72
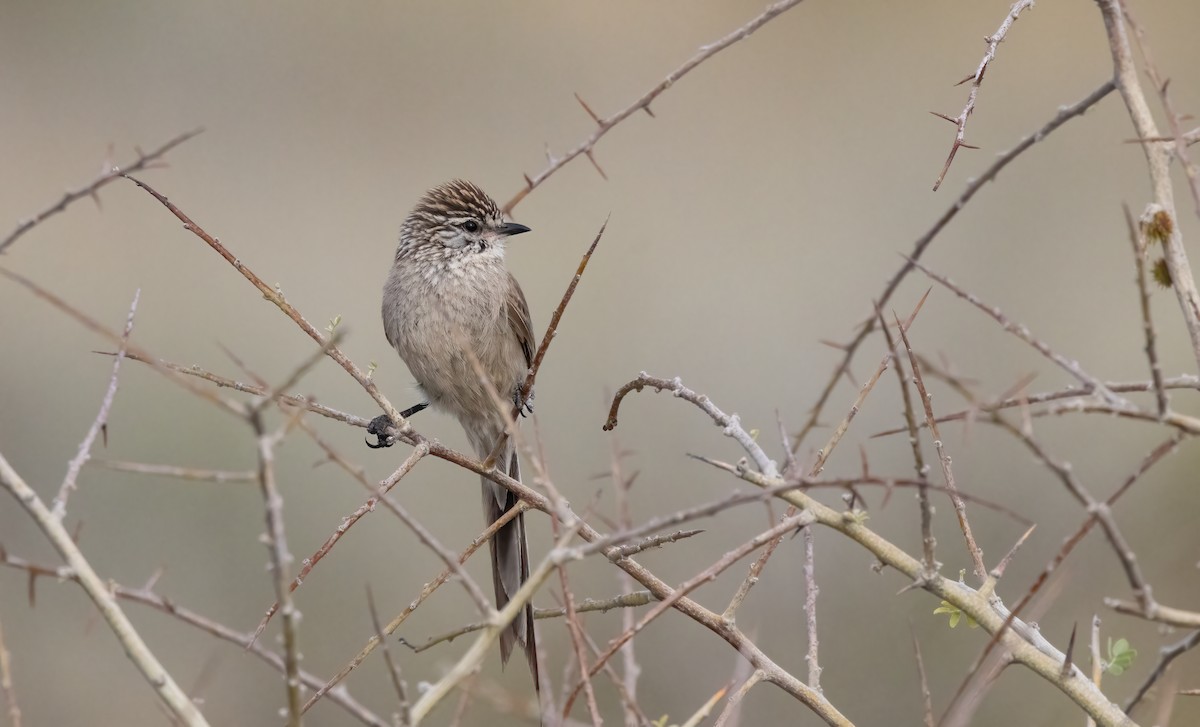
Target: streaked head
pixel 456 216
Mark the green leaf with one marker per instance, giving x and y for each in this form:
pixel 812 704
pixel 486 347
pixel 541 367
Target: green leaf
pixel 1120 656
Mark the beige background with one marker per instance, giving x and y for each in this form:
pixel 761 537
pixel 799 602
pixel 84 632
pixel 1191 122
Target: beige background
pixel 759 213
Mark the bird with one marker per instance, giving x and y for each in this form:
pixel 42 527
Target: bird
pixel 450 305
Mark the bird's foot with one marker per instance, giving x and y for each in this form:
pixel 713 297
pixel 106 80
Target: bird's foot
pixel 381 427
pixel 523 408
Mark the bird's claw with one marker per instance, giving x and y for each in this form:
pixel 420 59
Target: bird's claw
pixel 380 427
pixel 526 408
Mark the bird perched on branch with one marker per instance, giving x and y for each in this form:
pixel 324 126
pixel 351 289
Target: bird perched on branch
pixel 453 312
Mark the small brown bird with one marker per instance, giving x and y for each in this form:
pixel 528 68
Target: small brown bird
pixel 449 293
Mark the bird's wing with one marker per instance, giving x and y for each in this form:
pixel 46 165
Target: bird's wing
pixel 518 319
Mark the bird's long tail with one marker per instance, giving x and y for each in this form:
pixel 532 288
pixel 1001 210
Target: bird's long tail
pixel 510 564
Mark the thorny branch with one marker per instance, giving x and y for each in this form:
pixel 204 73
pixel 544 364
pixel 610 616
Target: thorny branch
pixel 993 42
pixel 603 126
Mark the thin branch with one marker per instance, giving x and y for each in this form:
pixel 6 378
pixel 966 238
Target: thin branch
pixel 552 329
pixel 99 424
pixel 1022 332
pixel 183 473
pixel 280 564
pixel 705 709
pixel 731 424
pixel 1158 163
pixel 392 667
pixel 1097 664
pixel 473 658
pixel 926 697
pixel 1139 261
pixel 1166 655
pixel 788 525
pixel 960 508
pixel 735 700
pixel 1063 115
pixel 349 521
pixel 624 601
pixel 976 79
pixel 276 297
pixel 603 126
pixel 6 684
pixel 146 597
pixel 630 669
pixel 425 593
pixel 144 161
pixel 176 701
pixel 810 612
pixel 928 542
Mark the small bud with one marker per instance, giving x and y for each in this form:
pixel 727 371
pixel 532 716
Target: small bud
pixel 1158 226
pixel 1161 273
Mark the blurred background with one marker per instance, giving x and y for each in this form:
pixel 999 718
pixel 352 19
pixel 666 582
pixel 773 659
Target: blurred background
pixel 756 215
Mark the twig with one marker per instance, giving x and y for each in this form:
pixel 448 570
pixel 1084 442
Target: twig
pixel 731 424
pixel 425 593
pixel 734 705
pixel 733 556
pixel 99 424
pixel 1158 162
pixel 1072 392
pixel 472 659
pixel 1166 655
pixel 392 667
pixel 603 126
pixel 624 601
pixel 960 121
pixel 630 669
pixel 928 542
pixel 926 697
pixel 1097 665
pixel 131 350
pixel 6 684
pixel 276 297
pixel 183 473
pixel 280 560
pixel 1020 331
pixel 177 702
pixel 1063 115
pixel 960 508
pixel 705 709
pixel 810 612
pixel 144 161
pixel 1139 262
pixel 145 597
pixel 552 329
pixel 348 522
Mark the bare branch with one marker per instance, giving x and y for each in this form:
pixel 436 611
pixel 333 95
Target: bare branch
pixel 603 126
pixel 99 424
pixel 6 685
pixel 176 701
pixel 1063 115
pixel 144 161
pixel 976 79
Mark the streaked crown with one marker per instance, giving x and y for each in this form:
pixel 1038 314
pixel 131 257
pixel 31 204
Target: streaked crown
pixel 452 217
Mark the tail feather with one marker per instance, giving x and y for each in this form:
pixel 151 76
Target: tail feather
pixel 510 567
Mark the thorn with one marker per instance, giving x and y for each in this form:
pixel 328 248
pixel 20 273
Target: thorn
pixel 592 159
pixel 947 118
pixel 833 344
pixel 964 145
pixel 589 111
pixel 528 181
pixel 1066 668
pixel 646 108
pixel 968 78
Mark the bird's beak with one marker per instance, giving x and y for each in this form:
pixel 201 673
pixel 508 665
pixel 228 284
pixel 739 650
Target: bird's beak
pixel 508 229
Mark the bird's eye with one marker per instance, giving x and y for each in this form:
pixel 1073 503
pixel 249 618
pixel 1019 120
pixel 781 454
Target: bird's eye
pixel 471 226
